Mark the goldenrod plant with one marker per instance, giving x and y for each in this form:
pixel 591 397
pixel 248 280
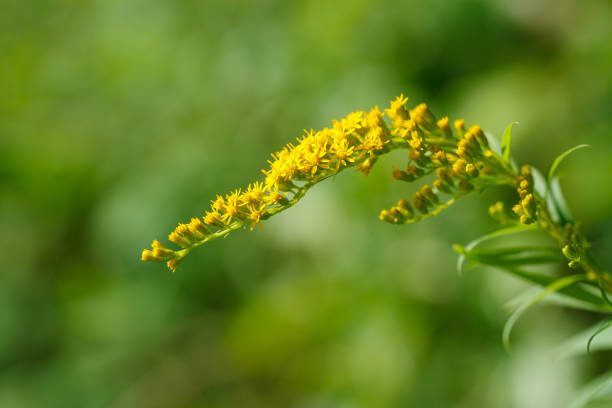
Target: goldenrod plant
pixel 462 158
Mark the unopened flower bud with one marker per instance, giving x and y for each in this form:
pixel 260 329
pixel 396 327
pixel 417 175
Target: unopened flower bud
pixel 441 186
pixel 443 126
pixel 179 239
pixel 147 255
pixel 459 167
pixel 429 194
pixel 471 170
pixel 420 203
pixel 405 204
pixel 459 125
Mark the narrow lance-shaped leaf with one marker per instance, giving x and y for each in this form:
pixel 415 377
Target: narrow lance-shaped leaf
pixel 604 293
pixel 557 201
pixel 516 255
pixel 506 141
pixel 604 326
pixel 576 344
pixel 553 287
pixel 592 390
pixel 461 250
pixel 540 185
pixel 539 182
pixel 583 298
pixel 561 157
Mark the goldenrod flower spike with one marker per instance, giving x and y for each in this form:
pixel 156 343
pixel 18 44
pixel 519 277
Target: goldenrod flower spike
pixel 461 161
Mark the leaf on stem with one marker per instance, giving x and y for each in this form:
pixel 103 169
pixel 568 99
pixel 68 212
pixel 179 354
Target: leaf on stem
pixel 593 389
pixel 516 255
pixel 506 140
pixel 462 251
pixel 555 286
pixel 575 345
pixel 559 159
pixel 558 203
pixel 578 296
pixel 539 182
pixel 604 326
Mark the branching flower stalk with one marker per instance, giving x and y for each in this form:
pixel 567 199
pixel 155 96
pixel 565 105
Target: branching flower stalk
pixel 459 156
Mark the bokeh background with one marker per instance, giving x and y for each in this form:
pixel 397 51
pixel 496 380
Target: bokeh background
pixel 119 119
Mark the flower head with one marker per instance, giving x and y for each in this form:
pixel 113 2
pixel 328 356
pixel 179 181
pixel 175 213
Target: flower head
pixel 458 159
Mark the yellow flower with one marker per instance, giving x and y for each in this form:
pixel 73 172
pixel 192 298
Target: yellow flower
pixel 214 218
pixel 256 213
pixel 218 204
pixel 352 122
pixel 342 152
pixel 459 167
pixel 160 251
pixel 397 111
pixel 172 264
pixel 232 204
pixel 443 125
pixel 459 125
pixel 416 142
pixel 422 116
pixel 275 197
pixel 374 118
pixel 366 166
pixel 372 141
pixel 315 159
pixel 254 195
pixel 179 240
pixel 147 255
pixel 355 140
pixel 197 229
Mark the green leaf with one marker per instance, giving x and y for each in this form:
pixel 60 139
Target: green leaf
pixel 604 294
pixel 513 250
pixel 517 255
pixel 575 345
pixel 578 293
pixel 604 326
pixel 559 159
pixel 495 234
pixel 540 185
pixel 592 390
pixel 506 140
pixel 557 206
pixel 539 182
pixel 555 286
pixel 558 201
pixel 552 208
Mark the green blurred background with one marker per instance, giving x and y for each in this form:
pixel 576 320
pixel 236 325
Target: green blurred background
pixel 119 119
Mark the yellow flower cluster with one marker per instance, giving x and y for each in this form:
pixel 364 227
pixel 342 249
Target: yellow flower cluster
pixel 354 140
pixel 526 208
pixel 497 211
pixel 460 159
pixel 360 135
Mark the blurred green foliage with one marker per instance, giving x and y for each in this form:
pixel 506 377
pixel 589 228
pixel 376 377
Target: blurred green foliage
pixel 120 118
